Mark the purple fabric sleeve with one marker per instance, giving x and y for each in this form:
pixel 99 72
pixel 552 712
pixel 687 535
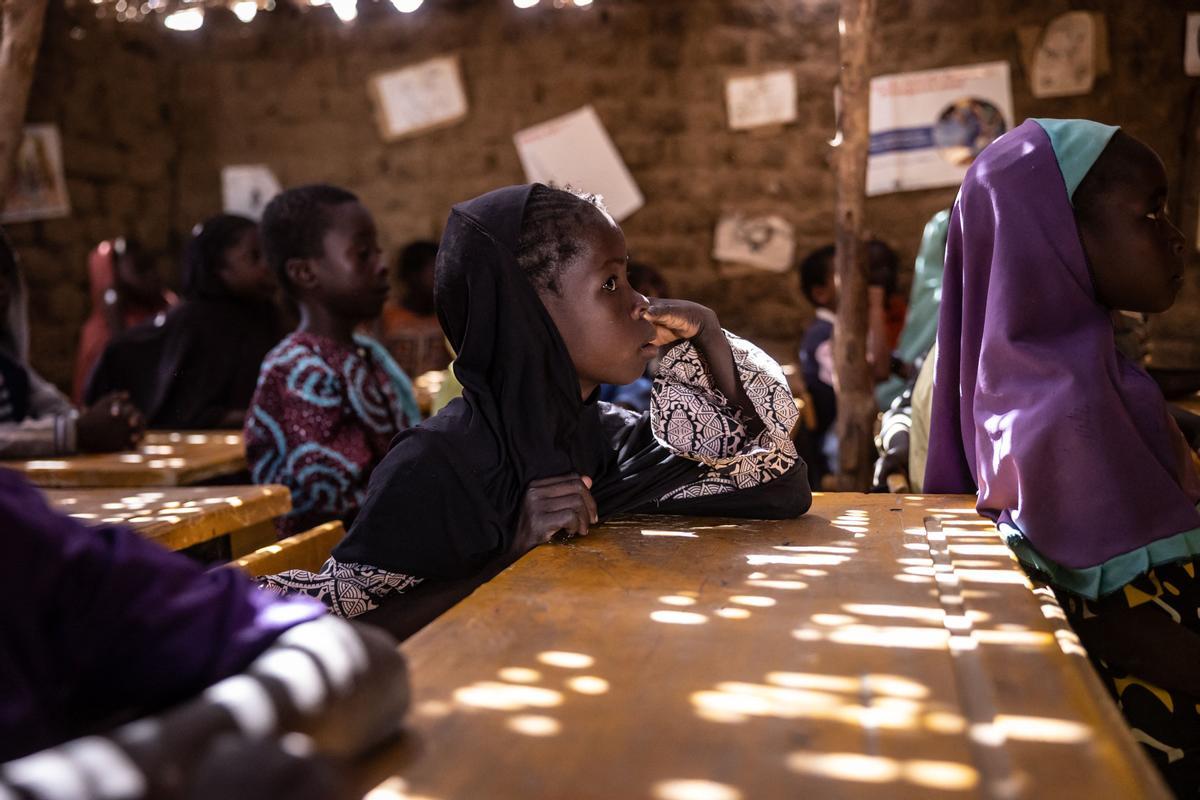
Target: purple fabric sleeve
pixel 101 624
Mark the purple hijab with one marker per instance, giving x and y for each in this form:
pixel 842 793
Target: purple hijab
pixel 1069 443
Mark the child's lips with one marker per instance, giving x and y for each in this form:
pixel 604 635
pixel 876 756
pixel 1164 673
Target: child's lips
pixel 648 350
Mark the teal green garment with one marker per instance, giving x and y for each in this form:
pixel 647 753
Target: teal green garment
pixel 1104 579
pixel 400 381
pixel 924 301
pixel 1077 144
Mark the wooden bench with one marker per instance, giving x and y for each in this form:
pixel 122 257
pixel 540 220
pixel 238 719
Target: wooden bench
pixel 180 518
pixel 307 550
pixel 177 458
pixel 880 647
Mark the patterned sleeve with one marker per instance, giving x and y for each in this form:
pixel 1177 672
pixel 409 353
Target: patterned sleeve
pixel 691 417
pixel 347 589
pixel 295 417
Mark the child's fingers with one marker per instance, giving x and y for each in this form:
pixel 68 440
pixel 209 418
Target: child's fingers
pixel 567 519
pixel 569 486
pixel 581 503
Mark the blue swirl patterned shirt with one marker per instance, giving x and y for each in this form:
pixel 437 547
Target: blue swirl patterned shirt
pixel 323 415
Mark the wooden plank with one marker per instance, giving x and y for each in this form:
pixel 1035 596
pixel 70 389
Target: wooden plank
pixel 821 657
pixel 176 458
pixel 1191 403
pixel 177 518
pixel 856 404
pixel 307 550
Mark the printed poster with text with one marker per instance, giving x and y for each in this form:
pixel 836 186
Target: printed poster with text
pixel 927 127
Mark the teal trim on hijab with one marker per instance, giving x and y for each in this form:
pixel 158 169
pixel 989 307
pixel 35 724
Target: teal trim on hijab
pixel 1077 144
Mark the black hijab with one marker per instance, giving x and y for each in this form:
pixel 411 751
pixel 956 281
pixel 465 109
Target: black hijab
pixel 446 498
pixel 201 362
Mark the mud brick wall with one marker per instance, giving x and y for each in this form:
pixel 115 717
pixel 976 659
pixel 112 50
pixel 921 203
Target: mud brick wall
pixel 149 117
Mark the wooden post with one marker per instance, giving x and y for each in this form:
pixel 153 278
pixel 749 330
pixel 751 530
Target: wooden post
pixel 20 37
pixel 856 390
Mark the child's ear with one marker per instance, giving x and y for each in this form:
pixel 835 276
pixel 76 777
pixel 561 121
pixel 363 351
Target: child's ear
pixel 300 273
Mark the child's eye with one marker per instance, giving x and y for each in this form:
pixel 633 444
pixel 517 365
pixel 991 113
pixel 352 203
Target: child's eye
pixel 610 285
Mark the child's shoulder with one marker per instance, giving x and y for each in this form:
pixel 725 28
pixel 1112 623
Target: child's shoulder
pixel 297 360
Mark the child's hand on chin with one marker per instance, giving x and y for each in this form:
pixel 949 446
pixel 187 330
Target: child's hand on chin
pixel 680 319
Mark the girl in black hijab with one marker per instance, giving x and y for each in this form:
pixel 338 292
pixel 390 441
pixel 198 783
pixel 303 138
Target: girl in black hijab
pixel 198 369
pixel 533 296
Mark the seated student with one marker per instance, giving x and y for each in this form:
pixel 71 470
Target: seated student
pixel 885 314
pixel 329 401
pixel 819 285
pixel 198 369
pixel 648 281
pixel 409 328
pixel 36 419
pixel 903 433
pixel 533 296
pixel 1069 442
pixel 110 628
pixel 126 290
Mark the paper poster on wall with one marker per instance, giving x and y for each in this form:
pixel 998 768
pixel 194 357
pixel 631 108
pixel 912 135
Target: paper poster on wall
pixel 766 242
pixel 766 99
pixel 1191 46
pixel 418 98
pixel 1064 62
pixel 575 150
pixel 39 189
pixel 247 188
pixel 927 127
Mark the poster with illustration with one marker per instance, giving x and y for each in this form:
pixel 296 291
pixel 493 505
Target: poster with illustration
pixel 247 188
pixel 756 100
pixel 766 242
pixel 575 150
pixel 927 127
pixel 419 98
pixel 39 189
pixel 1064 62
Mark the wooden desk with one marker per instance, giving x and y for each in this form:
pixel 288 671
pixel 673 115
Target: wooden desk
pixel 179 518
pixel 880 647
pixel 1191 403
pixel 163 459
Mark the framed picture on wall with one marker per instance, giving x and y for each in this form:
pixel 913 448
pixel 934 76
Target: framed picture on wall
pixel 39 189
pixel 418 98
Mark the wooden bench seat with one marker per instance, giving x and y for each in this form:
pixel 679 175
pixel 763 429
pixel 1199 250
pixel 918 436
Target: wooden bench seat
pixel 307 550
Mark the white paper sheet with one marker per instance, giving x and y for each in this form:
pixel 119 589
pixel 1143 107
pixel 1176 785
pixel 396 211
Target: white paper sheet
pixel 247 188
pixel 1065 61
pixel 575 150
pixel 767 242
pixel 419 98
pixel 766 99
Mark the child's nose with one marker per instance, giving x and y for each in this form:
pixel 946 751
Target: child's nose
pixel 1178 241
pixel 641 304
